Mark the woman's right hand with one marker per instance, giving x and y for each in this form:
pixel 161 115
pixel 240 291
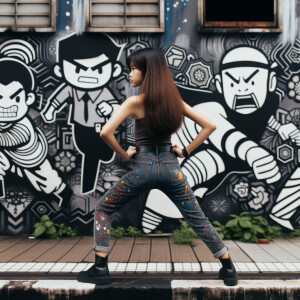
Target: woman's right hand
pixel 130 152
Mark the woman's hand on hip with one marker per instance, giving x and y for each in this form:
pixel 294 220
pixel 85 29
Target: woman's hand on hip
pixel 177 151
pixel 130 152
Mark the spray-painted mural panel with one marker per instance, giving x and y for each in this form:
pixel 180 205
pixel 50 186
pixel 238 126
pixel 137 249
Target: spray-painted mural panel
pixel 58 90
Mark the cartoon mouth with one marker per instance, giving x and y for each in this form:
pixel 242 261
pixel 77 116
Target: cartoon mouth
pixel 245 101
pixel 8 112
pixel 88 79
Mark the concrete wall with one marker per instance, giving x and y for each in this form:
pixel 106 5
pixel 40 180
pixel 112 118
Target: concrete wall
pixel 248 83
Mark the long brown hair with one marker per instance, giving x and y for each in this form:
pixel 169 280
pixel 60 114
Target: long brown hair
pixel 161 98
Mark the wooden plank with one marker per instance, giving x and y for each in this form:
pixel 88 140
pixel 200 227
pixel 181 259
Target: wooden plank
pixel 37 250
pixel 288 246
pixel 203 253
pixel 3 237
pixel 59 250
pixel 256 253
pixel 182 252
pixel 10 242
pixel 79 251
pixel 122 250
pixel 160 250
pixel 141 250
pixel 278 253
pixel 91 256
pixel 236 253
pixel 294 240
pixel 17 249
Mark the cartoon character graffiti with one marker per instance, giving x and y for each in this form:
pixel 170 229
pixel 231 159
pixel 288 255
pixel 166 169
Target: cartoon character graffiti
pixel 249 100
pixel 87 64
pixel 23 147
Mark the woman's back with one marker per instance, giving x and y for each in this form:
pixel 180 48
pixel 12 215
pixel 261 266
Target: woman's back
pixel 142 135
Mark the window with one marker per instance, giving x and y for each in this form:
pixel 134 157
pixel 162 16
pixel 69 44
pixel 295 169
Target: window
pixel 240 16
pixel 25 15
pixel 125 15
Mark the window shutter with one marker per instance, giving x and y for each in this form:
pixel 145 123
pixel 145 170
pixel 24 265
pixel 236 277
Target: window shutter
pixel 24 15
pixel 125 15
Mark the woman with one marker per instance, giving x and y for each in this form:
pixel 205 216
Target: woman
pixel 158 110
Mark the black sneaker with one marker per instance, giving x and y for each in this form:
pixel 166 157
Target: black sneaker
pixel 96 274
pixel 228 272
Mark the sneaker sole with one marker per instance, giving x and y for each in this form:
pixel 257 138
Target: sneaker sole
pixel 230 281
pixel 95 280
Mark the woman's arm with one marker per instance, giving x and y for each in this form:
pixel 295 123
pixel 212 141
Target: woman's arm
pixel 127 108
pixel 206 124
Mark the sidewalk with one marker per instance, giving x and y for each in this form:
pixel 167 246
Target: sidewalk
pixel 21 257
pixel 147 268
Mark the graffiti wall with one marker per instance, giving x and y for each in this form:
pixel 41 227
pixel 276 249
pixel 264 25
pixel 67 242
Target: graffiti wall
pixel 58 90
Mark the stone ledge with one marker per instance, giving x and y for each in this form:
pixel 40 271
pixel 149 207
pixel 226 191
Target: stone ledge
pixel 150 289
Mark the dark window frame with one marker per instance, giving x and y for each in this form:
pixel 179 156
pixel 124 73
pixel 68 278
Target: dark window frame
pixel 244 26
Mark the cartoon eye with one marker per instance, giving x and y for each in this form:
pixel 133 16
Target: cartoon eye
pixel 252 82
pixel 18 99
pixel 100 70
pixel 232 85
pixel 77 70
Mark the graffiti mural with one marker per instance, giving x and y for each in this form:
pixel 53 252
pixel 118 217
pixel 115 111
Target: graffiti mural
pixel 58 90
pixel 86 72
pixel 235 155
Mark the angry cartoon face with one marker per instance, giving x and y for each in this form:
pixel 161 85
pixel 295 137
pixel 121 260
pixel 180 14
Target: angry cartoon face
pixel 245 79
pixel 14 102
pixel 91 73
pixel 245 88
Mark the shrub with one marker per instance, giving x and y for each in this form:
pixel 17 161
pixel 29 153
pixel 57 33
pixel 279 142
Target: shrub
pixel 117 233
pixel 47 229
pixel 184 235
pixel 247 228
pixel 296 232
pixel 133 231
pixel 120 232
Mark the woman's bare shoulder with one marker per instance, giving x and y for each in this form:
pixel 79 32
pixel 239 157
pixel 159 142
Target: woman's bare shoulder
pixel 138 106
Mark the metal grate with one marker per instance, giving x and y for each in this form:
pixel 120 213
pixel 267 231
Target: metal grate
pixel 125 15
pixel 25 15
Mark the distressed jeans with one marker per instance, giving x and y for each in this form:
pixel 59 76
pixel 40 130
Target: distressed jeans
pixel 155 171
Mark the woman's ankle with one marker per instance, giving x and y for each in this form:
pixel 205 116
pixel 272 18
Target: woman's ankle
pixel 102 254
pixel 225 255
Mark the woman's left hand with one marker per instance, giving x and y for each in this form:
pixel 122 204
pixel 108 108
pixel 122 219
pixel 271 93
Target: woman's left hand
pixel 177 151
pixel 130 152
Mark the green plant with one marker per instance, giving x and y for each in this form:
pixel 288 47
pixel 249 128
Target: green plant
pixel 184 235
pixel 117 233
pixel 133 231
pixel 64 230
pixel 296 232
pixel 120 232
pixel 222 230
pixel 158 232
pixel 247 228
pixel 47 229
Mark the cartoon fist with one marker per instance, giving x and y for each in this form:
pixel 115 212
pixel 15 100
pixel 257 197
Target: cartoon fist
pixel 263 164
pixel 290 131
pixel 4 164
pixel 104 109
pixel 49 114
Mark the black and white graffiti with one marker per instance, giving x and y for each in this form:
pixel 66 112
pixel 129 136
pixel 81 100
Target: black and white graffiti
pixel 247 92
pixel 86 71
pixel 23 146
pixel 58 90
